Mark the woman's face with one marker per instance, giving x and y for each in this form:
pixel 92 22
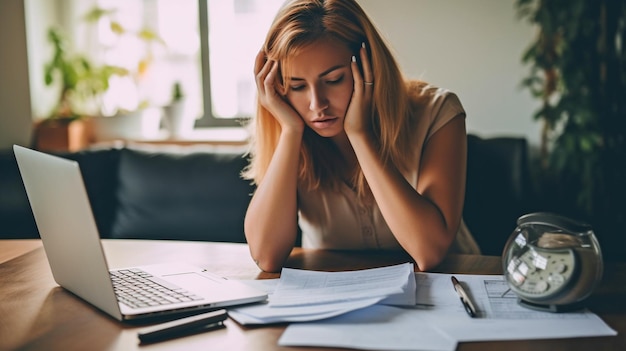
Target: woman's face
pixel 321 85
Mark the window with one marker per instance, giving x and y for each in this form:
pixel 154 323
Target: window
pixel 208 46
pixel 235 33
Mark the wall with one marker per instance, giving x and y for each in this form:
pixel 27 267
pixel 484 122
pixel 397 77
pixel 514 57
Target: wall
pixel 15 110
pixel 471 47
pixel 40 16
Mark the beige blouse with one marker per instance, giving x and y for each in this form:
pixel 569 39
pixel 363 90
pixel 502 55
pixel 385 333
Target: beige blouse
pixel 338 220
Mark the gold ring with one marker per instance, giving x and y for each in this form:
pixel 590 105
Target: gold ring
pixel 368 83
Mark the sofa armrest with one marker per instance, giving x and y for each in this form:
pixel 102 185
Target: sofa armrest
pixel 498 189
pixel 16 217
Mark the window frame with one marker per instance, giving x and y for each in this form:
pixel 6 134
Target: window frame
pixel 208 119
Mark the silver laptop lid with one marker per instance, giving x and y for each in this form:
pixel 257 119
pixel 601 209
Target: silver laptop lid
pixel 65 221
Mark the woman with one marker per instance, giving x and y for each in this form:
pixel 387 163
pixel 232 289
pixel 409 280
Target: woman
pixel 346 148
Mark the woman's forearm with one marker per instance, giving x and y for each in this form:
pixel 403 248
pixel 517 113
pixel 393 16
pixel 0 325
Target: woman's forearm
pixel 271 219
pixel 423 220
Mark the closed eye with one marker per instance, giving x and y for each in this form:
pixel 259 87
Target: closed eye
pixel 299 87
pixel 335 81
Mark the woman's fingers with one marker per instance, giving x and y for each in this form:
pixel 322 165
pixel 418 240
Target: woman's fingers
pixel 269 93
pixel 360 105
pixel 270 78
pixel 362 73
pixel 356 76
pixel 368 77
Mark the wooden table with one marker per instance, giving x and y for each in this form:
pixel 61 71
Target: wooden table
pixel 10 249
pixel 36 314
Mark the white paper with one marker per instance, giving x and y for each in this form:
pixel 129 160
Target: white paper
pixel 444 321
pixel 264 314
pixel 325 284
pixel 500 316
pixel 374 328
pixel 298 287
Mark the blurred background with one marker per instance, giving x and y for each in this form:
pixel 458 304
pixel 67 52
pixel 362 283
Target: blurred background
pixel 552 72
pixel 471 47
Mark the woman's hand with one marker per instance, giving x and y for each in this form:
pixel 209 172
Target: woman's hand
pixel 359 111
pixel 266 73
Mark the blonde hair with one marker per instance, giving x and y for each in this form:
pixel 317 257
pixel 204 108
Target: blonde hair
pixel 300 23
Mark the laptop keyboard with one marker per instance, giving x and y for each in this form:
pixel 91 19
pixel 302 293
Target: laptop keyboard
pixel 137 288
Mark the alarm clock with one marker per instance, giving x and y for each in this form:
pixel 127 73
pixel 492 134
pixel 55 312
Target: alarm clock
pixel 551 262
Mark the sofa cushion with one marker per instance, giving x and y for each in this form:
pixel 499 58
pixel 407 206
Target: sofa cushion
pixel 99 169
pixel 183 195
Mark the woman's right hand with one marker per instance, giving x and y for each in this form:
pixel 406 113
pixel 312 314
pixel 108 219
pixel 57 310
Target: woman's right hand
pixel 266 72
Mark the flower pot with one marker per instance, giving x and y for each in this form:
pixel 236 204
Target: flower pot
pixel 63 134
pixel 176 119
pixel 135 125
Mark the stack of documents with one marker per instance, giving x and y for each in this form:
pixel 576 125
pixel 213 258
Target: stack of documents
pixel 393 308
pixel 439 320
pixel 301 295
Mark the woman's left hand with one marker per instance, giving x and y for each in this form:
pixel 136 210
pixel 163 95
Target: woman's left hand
pixel 357 118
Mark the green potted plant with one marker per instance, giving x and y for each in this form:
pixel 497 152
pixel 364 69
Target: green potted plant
pixel 577 73
pixel 127 122
pixel 176 121
pixel 81 84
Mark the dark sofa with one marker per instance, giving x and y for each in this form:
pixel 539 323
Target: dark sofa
pixel 195 193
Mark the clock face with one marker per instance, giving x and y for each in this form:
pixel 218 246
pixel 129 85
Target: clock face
pixel 539 273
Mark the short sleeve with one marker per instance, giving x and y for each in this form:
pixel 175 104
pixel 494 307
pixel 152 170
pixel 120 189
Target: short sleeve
pixel 443 107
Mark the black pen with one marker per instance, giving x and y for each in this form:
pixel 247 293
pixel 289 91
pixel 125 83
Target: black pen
pixel 184 326
pixel 465 299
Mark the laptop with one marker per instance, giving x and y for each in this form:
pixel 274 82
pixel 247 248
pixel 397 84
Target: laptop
pixel 71 241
